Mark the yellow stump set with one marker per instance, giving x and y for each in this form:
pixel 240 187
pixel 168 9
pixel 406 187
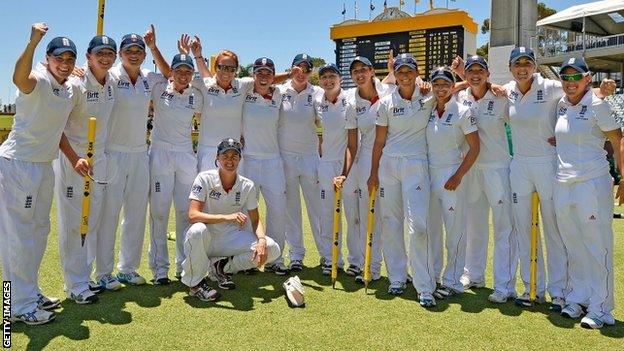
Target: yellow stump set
pixel 335 247
pixel 534 243
pixel 86 195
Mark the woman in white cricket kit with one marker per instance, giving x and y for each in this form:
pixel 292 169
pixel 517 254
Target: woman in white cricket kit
pixel 223 205
pixel 331 107
pixel 362 105
pixel 223 103
pixel 44 101
pixel 96 86
pixel 399 169
pixel 127 163
pixel 453 147
pixel 488 187
pixel 173 164
pixel 583 194
pixel 263 163
pixel 299 147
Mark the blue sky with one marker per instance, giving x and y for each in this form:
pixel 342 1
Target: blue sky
pixel 275 28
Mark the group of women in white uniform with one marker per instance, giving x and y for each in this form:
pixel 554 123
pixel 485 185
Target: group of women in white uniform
pixel 433 159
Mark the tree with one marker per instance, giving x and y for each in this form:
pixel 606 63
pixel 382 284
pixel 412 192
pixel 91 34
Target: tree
pixel 245 71
pixel 544 11
pixel 485 26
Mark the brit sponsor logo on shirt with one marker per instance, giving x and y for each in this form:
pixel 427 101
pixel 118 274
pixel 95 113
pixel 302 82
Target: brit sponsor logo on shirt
pixel 122 84
pixel 92 96
pixel 324 108
pixel 215 195
pixel 398 111
pixel 213 91
pixel 467 103
pixel 286 97
pixel 251 98
pixel 196 189
pixel 166 96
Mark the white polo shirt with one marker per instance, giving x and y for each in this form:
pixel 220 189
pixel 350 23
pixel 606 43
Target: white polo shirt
pixel 260 123
pixel 491 113
pixel 361 114
pixel 407 123
pixel 207 188
pixel 446 134
pixel 173 116
pixel 580 138
pixel 223 110
pixel 532 118
pixel 297 129
pixel 129 117
pixel 333 120
pixel 100 100
pixel 41 117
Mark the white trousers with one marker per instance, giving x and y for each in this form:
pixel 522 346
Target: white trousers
pixel 404 197
pixel 171 176
pixel 525 179
pixel 77 260
pixel 585 218
pixel 268 176
pixel 200 247
pixel 26 190
pixel 488 188
pixel 360 171
pixel 448 208
pixel 327 170
pixel 129 189
pixel 302 171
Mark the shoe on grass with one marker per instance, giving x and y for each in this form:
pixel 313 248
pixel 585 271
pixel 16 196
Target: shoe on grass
pixel 595 322
pixel 47 303
pixel 573 310
pixel 557 304
pixel 204 292
pixel 132 278
pixel 359 279
pixel 525 300
pixel 469 284
pixel 426 299
pixel 445 292
pixel 95 287
pixel 353 270
pixel 86 297
pixel 396 288
pixel 296 266
pixel 162 281
pixel 223 279
pixel 500 297
pixel 36 317
pixel 109 282
pixel 276 268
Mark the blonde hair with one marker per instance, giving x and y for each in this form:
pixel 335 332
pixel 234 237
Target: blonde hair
pixel 226 53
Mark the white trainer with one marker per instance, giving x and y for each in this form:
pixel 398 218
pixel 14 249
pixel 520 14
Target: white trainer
pixel 573 311
pixel 37 316
pixel 500 297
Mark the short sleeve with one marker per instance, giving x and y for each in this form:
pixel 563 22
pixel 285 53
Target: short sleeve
pixel 557 88
pixel 350 117
pixel 467 122
pixel 246 84
pixel 154 78
pixel 606 118
pixel 252 198
pixel 382 115
pixel 198 189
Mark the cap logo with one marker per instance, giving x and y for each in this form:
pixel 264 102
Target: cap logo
pixel 133 37
pixel 65 42
pixel 264 61
pixel 475 57
pixel 305 57
pixel 105 40
pixel 571 61
pixel 522 49
pixel 183 57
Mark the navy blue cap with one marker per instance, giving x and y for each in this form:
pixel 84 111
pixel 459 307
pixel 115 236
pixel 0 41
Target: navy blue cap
pixel 442 73
pixel 100 42
pixel 329 67
pixel 476 60
pixel 263 63
pixel 576 62
pixel 300 58
pixel 132 39
pixel 519 52
pixel 362 59
pixel 405 60
pixel 60 45
pixel 182 60
pixel 229 144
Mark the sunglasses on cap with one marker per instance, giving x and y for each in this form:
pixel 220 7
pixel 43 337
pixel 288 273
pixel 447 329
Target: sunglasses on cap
pixel 225 68
pixel 574 77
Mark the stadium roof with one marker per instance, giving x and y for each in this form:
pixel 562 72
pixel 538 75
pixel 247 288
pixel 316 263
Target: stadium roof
pixel 602 18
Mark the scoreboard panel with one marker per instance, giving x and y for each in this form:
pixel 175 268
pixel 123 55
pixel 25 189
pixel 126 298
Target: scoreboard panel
pixel 430 47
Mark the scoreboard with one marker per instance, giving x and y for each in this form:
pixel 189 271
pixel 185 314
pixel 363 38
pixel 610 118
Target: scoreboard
pixel 431 47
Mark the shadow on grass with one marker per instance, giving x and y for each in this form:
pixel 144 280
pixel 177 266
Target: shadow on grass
pixel 110 309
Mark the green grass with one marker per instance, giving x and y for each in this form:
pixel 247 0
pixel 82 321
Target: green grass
pixel 255 316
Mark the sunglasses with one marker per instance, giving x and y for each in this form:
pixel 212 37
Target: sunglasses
pixel 224 68
pixel 574 77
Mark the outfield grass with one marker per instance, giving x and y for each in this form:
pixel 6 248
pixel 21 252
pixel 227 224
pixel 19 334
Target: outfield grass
pixel 255 316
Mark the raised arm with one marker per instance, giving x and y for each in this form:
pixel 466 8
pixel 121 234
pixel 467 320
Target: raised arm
pixel 22 75
pixel 196 49
pixel 150 41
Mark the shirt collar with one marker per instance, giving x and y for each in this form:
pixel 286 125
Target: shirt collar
pixel 586 100
pixel 216 181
